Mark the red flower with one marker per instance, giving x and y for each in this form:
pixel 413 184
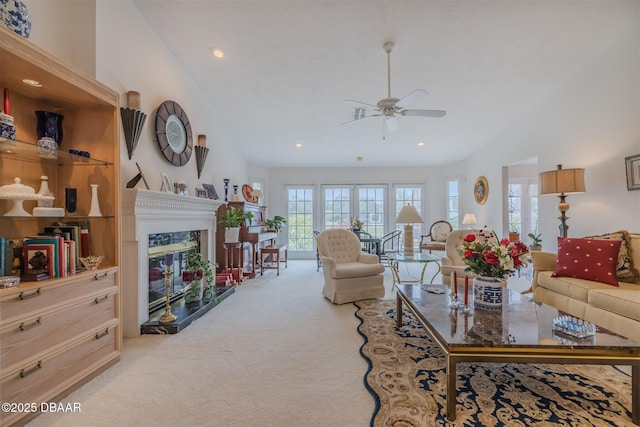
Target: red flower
pixel 468 253
pixel 470 238
pixel 491 258
pixel 504 242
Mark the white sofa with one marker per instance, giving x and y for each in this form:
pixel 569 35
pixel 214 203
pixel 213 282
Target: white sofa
pixel 349 274
pixel 614 308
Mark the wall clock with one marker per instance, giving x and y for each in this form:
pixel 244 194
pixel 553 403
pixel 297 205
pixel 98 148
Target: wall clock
pixel 481 190
pixel 173 131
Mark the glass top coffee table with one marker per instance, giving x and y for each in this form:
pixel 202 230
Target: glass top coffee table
pixel 523 332
pixel 395 258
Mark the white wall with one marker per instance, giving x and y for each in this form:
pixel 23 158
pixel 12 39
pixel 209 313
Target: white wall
pixel 590 122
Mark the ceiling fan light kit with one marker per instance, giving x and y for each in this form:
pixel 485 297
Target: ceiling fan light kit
pixel 389 108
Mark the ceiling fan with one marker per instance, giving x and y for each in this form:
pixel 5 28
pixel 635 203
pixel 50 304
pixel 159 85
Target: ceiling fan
pixel 389 108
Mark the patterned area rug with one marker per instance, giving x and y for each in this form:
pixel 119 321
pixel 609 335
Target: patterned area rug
pixel 406 376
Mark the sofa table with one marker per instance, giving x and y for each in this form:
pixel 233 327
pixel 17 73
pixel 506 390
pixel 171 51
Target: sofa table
pixel 521 333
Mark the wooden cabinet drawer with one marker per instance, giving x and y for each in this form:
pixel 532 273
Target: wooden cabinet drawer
pixel 41 333
pixel 19 302
pixel 41 380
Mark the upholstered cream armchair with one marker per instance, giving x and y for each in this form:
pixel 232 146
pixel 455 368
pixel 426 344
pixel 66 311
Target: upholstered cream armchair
pixel 452 261
pixel 349 274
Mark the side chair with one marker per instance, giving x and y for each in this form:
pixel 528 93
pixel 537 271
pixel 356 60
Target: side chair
pixel 438 233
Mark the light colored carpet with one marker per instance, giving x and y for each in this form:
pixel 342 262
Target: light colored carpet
pixel 275 353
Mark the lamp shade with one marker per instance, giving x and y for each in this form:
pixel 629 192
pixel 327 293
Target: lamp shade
pixel 257 193
pixel 562 181
pixel 469 219
pixel 409 215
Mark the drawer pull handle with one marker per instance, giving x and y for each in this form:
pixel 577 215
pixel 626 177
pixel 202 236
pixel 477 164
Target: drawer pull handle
pixel 100 276
pixel 98 300
pixel 25 326
pixel 24 296
pixel 102 334
pixel 25 372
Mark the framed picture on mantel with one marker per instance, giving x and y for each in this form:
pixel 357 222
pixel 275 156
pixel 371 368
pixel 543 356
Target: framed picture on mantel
pixel 211 191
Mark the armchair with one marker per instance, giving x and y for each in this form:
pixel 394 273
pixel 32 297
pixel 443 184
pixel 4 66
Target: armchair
pixel 438 233
pixel 349 274
pixel 452 261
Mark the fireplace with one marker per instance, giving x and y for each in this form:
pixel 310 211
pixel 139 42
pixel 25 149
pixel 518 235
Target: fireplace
pixel 181 244
pixel 148 217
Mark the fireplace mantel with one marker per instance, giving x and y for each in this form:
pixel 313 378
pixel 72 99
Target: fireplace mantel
pixel 147 212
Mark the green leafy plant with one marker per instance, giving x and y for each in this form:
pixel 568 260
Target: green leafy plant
pixel 234 217
pixel 357 223
pixel 276 223
pixel 536 239
pixel 200 267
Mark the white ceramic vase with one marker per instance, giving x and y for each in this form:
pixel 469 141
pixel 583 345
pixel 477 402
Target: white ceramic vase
pixel 488 293
pixel 95 204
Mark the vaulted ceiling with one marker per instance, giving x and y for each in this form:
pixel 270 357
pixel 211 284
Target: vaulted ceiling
pixel 290 66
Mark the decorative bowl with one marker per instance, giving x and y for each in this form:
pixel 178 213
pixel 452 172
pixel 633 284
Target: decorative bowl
pixel 9 281
pixel 91 262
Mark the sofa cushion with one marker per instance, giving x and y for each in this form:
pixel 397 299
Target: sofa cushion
pixel 570 287
pixel 625 302
pixel 349 270
pixel 591 259
pixel 625 269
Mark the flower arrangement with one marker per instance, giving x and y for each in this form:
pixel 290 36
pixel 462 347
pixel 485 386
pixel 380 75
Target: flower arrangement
pixel 486 255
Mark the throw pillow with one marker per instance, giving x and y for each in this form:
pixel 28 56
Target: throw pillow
pixel 590 259
pixel 625 269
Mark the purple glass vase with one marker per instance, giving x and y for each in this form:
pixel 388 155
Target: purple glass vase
pixel 49 125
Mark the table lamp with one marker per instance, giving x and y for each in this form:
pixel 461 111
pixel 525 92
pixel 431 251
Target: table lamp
pixel 408 216
pixel 469 220
pixel 561 182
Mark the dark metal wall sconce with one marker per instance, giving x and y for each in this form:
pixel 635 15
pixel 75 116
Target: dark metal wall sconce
pixel 201 153
pixel 132 121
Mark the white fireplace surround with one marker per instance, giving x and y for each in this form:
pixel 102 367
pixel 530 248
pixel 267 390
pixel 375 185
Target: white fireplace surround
pixel 146 212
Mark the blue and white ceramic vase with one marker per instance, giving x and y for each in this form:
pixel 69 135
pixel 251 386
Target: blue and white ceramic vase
pixel 488 293
pixel 15 16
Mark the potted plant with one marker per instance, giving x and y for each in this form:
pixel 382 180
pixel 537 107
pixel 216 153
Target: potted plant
pixel 514 234
pixel 199 271
pixel 356 225
pixel 536 242
pixel 231 220
pixel 276 224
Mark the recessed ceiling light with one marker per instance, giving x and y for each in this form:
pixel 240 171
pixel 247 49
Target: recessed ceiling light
pixel 30 82
pixel 218 52
pixel 298 145
pixel 421 144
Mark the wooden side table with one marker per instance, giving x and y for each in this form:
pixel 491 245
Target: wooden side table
pixel 233 259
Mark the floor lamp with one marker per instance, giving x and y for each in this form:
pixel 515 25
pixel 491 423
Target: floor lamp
pixel 561 182
pixel 408 216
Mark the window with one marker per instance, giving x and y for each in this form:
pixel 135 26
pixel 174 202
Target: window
pixel 343 204
pixel 453 202
pixel 523 206
pixel 300 218
pixel 409 195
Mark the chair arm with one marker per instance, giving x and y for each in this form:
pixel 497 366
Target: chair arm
pixel 544 261
pixel 445 260
pixel 422 237
pixel 328 263
pixel 366 258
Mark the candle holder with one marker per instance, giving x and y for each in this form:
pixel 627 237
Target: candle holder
pixel 454 301
pixel 201 157
pixel 226 189
pixel 466 309
pixel 168 316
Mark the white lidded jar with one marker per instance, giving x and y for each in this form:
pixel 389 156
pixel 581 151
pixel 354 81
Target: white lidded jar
pixel 47 200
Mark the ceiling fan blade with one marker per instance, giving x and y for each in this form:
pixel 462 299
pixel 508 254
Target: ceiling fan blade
pixel 424 113
pixel 362 118
pixel 391 123
pixel 413 97
pixel 355 103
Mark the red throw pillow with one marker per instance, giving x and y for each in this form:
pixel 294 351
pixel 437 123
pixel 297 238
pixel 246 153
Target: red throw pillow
pixel 590 259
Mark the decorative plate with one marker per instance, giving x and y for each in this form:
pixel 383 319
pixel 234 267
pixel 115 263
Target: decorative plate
pixel 174 133
pixel 247 192
pixel 481 190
